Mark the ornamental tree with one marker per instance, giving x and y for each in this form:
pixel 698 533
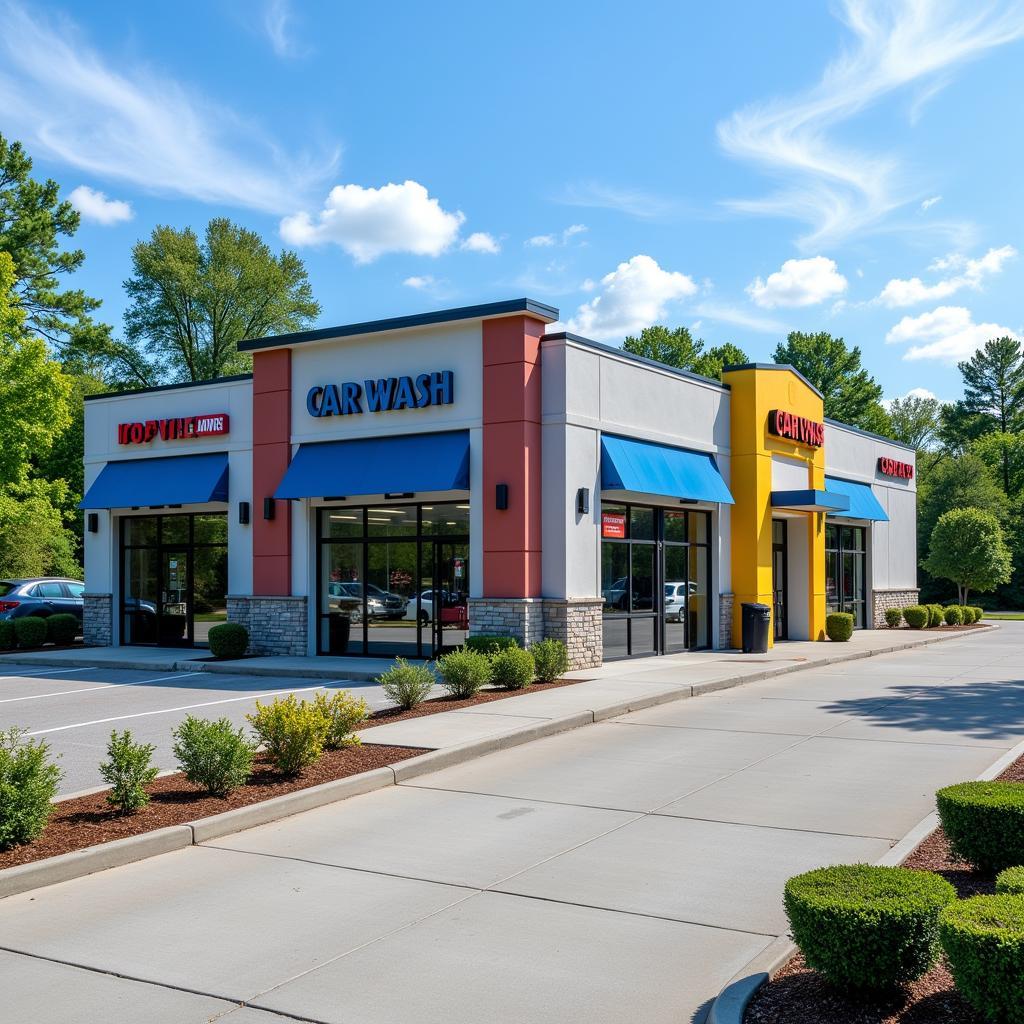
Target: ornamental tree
pixel 967 547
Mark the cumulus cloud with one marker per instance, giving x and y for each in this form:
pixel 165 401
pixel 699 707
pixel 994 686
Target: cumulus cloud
pixel 420 282
pixel 481 241
pixel 369 222
pixel 947 333
pixel 95 206
pixel 886 403
pixel 633 296
pixel 910 291
pixel 799 283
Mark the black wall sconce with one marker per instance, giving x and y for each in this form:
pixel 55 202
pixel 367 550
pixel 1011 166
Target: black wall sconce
pixel 268 508
pixel 243 513
pixel 501 497
pixel 93 521
pixel 393 495
pixel 583 501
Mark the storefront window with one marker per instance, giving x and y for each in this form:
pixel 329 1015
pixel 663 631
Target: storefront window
pixel 846 571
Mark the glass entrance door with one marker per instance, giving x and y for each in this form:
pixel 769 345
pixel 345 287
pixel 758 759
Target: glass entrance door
pixel 450 595
pixel 779 581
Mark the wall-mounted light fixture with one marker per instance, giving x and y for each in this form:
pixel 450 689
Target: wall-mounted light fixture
pixel 268 508
pixel 391 495
pixel 93 521
pixel 583 501
pixel 687 501
pixel 501 497
pixel 335 497
pixel 243 513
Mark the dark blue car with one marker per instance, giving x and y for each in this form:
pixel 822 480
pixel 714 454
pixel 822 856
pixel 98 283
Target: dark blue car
pixel 41 596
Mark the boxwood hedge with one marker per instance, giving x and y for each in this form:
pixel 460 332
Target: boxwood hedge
pixel 489 645
pixel 1011 881
pixel 984 822
pixel 30 631
pixel 865 927
pixel 839 626
pixel 228 640
pixel 953 615
pixel 916 616
pixel 7 636
pixel 62 628
pixel 894 617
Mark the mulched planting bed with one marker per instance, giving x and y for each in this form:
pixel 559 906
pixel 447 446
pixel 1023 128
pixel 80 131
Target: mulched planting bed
pixel 797 995
pixel 89 820
pixel 938 629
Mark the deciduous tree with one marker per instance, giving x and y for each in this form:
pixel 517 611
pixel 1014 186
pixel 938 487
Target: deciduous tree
pixel 967 547
pixel 679 348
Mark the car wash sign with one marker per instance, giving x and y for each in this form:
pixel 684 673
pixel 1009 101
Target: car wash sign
pixel 385 394
pixel 786 424
pixel 177 428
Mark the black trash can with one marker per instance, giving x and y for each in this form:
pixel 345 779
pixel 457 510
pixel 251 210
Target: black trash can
pixel 757 620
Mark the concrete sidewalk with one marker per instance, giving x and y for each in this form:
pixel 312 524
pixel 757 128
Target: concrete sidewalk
pixel 618 873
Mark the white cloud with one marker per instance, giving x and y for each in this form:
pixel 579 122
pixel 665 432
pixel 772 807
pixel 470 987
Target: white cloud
pixel 740 318
pixel 66 103
pixel 420 282
pixel 369 222
pixel 546 241
pixel 95 206
pixel 541 241
pixel 799 283
pixel 633 201
pixel 886 403
pixel 910 291
pixel 839 190
pixel 947 333
pixel 277 23
pixel 481 241
pixel 633 296
pixel 927 204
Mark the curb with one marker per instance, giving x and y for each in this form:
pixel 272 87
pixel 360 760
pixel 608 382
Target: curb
pixel 125 851
pixel 731 1003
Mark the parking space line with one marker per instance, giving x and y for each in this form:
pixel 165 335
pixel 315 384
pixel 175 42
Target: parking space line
pixel 169 711
pixel 91 689
pixel 50 672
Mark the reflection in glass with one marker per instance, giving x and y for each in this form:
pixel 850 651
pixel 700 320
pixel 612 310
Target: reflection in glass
pixel 209 585
pixel 140 530
pixel 615 577
pixel 390 585
pixel 676 594
pixel 341 599
pixel 643 577
pixel 140 592
pixel 699 612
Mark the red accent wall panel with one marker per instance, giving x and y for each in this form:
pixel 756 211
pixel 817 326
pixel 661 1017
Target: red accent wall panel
pixel 511 439
pixel 271 453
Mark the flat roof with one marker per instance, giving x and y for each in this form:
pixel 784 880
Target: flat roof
pixel 398 323
pixel 169 387
pixel 773 366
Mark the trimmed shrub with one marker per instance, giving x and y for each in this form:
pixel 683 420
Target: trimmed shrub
pixel 342 712
pixel 839 626
pixel 464 672
pixel 551 659
pixel 7 636
pixel 28 784
pixel 916 616
pixel 129 767
pixel 1011 881
pixel 62 629
pixel 407 685
pixel 30 631
pixel 866 927
pixel 979 613
pixel 969 610
pixel 490 645
pixel 292 732
pixel 953 615
pixel 214 755
pixel 894 617
pixel 983 937
pixel 934 614
pixel 229 640
pixel 984 822
pixel 513 668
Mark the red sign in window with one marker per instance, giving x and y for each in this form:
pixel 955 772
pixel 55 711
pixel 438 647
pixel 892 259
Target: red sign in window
pixel 613 525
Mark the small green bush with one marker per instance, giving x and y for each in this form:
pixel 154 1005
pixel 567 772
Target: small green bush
pixel 979 613
pixel 62 629
pixel 490 645
pixel 30 631
pixel 1011 881
pixel 967 611
pixel 839 626
pixel 916 616
pixel 28 784
pixel 513 668
pixel 407 685
pixel 934 614
pixel 866 927
pixel 292 732
pixel 894 617
pixel 214 755
pixel 551 658
pixel 229 640
pixel 953 615
pixel 128 769
pixel 464 672
pixel 984 822
pixel 983 938
pixel 7 636
pixel 342 712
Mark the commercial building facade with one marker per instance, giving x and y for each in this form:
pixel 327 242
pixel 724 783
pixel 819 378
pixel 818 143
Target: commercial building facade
pixel 388 488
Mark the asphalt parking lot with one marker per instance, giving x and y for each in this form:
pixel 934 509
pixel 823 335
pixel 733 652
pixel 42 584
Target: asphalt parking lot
pixel 75 709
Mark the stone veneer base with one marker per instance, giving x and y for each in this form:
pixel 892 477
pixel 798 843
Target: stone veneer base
pixel 277 625
pixel 726 603
pixel 98 620
pixel 883 599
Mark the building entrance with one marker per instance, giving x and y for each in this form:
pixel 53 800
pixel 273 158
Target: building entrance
pixel 780 581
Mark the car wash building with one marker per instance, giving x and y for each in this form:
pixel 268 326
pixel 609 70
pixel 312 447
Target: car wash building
pixel 388 488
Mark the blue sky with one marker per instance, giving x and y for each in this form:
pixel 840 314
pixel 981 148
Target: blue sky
pixel 744 169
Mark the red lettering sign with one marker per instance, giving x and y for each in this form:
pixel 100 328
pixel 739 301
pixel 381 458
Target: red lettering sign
pixel 786 424
pixel 891 467
pixel 176 429
pixel 613 525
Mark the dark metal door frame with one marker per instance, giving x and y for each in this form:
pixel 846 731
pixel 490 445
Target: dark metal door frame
pixel 780 596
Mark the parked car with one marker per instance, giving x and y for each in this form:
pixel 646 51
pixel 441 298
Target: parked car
pixel 676 596
pixel 41 596
pixel 447 599
pixel 380 604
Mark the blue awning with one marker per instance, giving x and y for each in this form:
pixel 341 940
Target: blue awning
pixel 863 503
pixel 379 465
pixel 631 465
pixel 810 500
pixel 174 480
